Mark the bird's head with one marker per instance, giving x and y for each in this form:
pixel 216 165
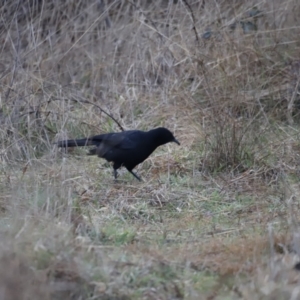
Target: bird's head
pixel 164 136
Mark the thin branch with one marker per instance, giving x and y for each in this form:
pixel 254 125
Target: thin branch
pixel 193 18
pixel 91 103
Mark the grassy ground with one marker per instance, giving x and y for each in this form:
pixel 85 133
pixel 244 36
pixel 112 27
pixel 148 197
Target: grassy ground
pixel 214 218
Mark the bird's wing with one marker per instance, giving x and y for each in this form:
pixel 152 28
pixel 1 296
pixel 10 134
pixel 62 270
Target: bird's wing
pixel 106 143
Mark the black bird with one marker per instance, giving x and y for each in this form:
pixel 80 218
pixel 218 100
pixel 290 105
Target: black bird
pixel 127 148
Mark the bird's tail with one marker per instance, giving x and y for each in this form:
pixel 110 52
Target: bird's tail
pixel 75 143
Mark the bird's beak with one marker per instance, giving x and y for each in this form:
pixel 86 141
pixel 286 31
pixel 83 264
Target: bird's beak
pixel 175 141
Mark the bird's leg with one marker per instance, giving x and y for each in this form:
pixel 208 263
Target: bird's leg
pixel 115 174
pixel 116 166
pixel 137 177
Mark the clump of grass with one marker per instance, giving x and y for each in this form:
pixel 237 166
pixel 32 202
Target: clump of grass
pixel 222 76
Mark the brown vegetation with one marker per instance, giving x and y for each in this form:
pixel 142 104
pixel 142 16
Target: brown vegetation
pixel 216 217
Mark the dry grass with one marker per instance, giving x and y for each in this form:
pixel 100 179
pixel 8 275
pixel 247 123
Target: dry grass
pixel 217 217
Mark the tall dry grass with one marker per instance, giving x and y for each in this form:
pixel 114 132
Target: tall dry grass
pixel 222 75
